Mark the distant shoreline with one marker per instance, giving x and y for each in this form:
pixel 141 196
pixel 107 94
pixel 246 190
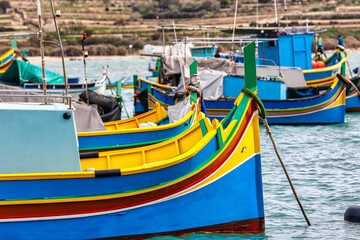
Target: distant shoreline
pixel 127 57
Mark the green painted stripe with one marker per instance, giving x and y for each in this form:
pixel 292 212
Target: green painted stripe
pixel 162 120
pixel 203 127
pixel 125 145
pixel 330 58
pixel 219 138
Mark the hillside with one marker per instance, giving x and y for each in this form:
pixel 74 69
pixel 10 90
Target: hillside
pixel 114 25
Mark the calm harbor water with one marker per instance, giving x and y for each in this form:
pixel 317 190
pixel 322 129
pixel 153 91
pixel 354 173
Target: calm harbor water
pixel 323 162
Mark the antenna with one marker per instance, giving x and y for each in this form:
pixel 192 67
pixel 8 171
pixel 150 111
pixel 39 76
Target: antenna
pixel 58 14
pixel 42 49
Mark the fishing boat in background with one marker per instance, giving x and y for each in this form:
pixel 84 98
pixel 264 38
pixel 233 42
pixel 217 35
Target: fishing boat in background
pixel 6 60
pixel 306 105
pixel 282 80
pixel 30 77
pixel 352 94
pixel 292 47
pixel 49 194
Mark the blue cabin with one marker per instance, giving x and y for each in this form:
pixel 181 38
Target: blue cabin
pixel 288 49
pixel 204 51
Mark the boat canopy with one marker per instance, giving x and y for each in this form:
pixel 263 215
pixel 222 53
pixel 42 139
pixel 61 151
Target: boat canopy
pixel 21 72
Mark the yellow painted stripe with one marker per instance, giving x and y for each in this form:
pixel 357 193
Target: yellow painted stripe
pixel 146 129
pixel 154 84
pixel 35 176
pixel 321 82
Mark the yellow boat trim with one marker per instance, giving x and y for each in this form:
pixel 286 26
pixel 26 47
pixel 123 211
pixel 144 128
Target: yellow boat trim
pixel 153 83
pixel 128 86
pixel 323 81
pixel 35 176
pixel 156 156
pixel 154 116
pixel 326 69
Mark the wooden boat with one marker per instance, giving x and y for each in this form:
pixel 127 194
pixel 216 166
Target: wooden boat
pixel 110 139
pixel 54 199
pixel 323 108
pixel 6 60
pixel 292 48
pixel 323 105
pixel 29 76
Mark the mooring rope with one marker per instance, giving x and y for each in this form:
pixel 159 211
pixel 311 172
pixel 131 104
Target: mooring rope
pixel 262 114
pixel 122 100
pixel 348 81
pixel 347 61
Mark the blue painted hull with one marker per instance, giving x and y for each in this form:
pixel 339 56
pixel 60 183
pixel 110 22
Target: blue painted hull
pixel 353 103
pixel 235 196
pixel 133 138
pixel 327 116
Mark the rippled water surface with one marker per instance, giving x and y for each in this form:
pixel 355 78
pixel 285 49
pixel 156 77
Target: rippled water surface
pixel 323 162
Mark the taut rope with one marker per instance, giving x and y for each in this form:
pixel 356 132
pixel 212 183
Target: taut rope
pixel 262 114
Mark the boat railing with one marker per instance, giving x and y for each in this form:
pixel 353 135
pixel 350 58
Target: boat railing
pixel 22 94
pixel 272 61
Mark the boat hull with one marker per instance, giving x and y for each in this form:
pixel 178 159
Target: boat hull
pixel 231 208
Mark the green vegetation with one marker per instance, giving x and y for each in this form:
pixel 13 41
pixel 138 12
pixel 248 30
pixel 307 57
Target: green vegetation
pixel 172 9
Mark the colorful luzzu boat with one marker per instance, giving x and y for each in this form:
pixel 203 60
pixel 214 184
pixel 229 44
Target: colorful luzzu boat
pixel 6 60
pixel 220 192
pixel 29 76
pixel 292 48
pixel 322 105
pixel 120 137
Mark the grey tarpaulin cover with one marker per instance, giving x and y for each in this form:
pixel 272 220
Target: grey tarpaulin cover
pixel 293 77
pixel 210 80
pixel 170 65
pixel 179 110
pixel 87 118
pixel 210 83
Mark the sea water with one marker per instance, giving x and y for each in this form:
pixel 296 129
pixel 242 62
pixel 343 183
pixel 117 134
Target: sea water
pixel 323 162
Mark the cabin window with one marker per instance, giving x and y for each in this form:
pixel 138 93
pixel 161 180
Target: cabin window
pixel 194 51
pixel 272 43
pixel 199 51
pixel 208 50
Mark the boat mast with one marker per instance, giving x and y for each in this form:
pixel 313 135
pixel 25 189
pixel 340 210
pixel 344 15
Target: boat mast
pixel 276 17
pixel 42 49
pixel 233 35
pixel 60 44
